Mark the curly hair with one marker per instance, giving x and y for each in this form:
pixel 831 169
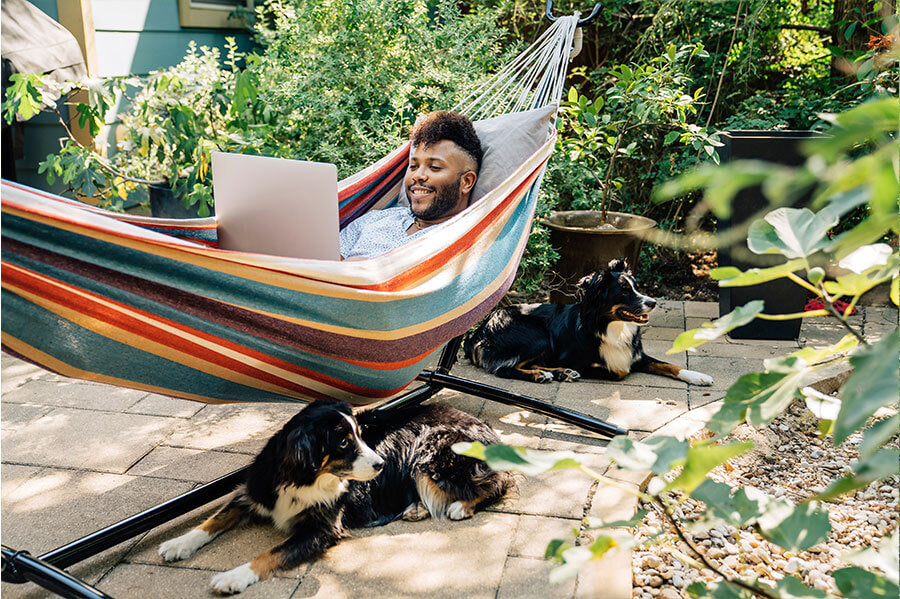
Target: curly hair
pixel 437 126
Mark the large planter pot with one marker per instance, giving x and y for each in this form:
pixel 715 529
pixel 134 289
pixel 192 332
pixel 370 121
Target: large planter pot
pixel 164 204
pixel 585 246
pixel 780 296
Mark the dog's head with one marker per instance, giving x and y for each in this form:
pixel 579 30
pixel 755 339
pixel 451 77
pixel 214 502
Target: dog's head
pixel 324 438
pixel 611 295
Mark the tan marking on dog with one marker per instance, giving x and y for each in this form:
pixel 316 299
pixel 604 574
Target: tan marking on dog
pixel 434 498
pixel 265 564
pixel 664 369
pixel 221 521
pixel 324 461
pixel 618 373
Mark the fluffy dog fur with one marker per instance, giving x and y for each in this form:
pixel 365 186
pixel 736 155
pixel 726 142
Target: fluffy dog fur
pixel 599 337
pixel 326 472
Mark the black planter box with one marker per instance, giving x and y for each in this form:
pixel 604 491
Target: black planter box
pixel 164 204
pixel 781 296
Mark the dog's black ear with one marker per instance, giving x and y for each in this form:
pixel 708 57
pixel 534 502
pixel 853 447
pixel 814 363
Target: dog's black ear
pixel 585 283
pixel 304 453
pixel 618 265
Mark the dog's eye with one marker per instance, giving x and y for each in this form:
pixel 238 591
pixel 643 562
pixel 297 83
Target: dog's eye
pixel 344 444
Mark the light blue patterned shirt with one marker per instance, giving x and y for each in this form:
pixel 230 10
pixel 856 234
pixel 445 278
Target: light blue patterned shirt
pixel 377 232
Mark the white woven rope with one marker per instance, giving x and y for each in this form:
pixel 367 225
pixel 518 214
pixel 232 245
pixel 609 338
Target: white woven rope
pixel 535 78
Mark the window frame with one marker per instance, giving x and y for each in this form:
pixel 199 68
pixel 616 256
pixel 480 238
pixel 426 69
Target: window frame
pixel 196 13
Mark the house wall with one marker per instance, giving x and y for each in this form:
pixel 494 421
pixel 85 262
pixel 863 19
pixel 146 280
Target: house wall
pixel 132 37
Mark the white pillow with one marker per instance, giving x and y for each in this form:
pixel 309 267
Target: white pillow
pixel 508 141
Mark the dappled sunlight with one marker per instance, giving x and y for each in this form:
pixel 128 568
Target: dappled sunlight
pixel 38 493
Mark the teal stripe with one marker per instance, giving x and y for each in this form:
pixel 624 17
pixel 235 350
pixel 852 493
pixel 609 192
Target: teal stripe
pixel 80 348
pixel 355 314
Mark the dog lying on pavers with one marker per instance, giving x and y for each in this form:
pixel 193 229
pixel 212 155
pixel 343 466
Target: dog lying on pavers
pixel 598 338
pixel 327 471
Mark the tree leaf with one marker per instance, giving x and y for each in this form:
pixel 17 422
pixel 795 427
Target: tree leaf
pixel 715 329
pixel 872 385
pixel 518 459
pixel 792 232
pixel 595 523
pixel 718 590
pixel 806 526
pixel 878 435
pixel 658 454
pixel 865 471
pixel 701 459
pixel 866 257
pixel 856 583
pixel 718 500
pixel 886 558
pixel 755 276
pixel 790 587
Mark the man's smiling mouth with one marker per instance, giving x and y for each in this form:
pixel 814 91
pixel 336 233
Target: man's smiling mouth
pixel 418 191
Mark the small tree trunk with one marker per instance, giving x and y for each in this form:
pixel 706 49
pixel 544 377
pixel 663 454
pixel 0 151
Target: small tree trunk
pixel 847 12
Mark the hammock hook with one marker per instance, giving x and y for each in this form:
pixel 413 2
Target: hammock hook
pixel 549 14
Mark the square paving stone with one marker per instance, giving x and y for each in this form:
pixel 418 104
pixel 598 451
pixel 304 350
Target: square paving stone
pixel 75 394
pixel 557 494
pixel 735 348
pixel 70 438
pixel 701 309
pixel 188 464
pixel 16 372
pixel 609 577
pixel 534 533
pixel 696 322
pixel 628 406
pixel 240 428
pixel 57 506
pixel 546 391
pixel 13 476
pixel 16 415
pixel 515 426
pixel 661 333
pixel 139 580
pixel 528 578
pixel 160 405
pixel 658 348
pixel 725 371
pixel 668 314
pixel 884 315
pixel 434 559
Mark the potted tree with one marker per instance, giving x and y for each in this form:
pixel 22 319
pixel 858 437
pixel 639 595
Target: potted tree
pixel 640 100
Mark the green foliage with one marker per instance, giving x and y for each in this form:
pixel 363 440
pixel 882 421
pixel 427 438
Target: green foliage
pixel 24 97
pixel 799 237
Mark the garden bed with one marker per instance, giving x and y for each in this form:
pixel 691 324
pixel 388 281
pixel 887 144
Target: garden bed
pixel 789 461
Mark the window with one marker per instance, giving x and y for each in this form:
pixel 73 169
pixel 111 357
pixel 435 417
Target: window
pixel 211 13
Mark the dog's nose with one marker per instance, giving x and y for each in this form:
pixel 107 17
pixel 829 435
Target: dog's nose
pixel 650 302
pixel 378 466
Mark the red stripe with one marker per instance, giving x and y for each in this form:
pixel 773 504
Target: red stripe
pixel 350 190
pixel 376 192
pixel 143 328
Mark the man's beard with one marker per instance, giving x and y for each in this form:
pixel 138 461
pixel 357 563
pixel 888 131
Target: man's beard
pixel 445 200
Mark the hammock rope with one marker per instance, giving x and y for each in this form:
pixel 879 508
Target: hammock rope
pixel 152 304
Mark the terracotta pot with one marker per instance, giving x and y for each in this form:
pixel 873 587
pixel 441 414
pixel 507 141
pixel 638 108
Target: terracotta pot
pixel 584 246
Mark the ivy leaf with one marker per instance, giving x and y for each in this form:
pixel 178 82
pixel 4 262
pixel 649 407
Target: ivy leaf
pixel 865 471
pixel 518 459
pixel 754 276
pixel 701 459
pixel 872 385
pixel 759 397
pixel 715 329
pixel 574 558
pixel 856 583
pixel 717 497
pixel 792 232
pixel 671 136
pixel 806 526
pixel 658 454
pixel 866 257
pixel 23 97
pixel 595 523
pixel 853 284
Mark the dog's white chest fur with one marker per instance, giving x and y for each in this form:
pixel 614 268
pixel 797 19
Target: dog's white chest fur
pixel 615 346
pixel 292 499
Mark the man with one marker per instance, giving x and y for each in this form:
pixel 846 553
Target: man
pixel 443 168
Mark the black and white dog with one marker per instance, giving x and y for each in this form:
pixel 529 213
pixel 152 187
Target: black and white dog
pixel 599 337
pixel 325 472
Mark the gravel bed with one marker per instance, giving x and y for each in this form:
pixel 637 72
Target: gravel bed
pixel 789 461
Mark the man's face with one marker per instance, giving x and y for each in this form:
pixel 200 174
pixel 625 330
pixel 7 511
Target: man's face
pixel 434 181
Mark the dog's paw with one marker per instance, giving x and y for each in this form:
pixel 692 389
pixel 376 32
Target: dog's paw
pixel 458 511
pixel 542 376
pixel 695 378
pixel 567 375
pixel 184 546
pixel 415 512
pixel 233 581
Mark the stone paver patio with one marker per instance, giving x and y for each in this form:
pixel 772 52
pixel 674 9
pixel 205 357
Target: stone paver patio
pixel 77 456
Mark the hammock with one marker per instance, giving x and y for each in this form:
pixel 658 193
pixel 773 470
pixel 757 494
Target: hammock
pixel 153 304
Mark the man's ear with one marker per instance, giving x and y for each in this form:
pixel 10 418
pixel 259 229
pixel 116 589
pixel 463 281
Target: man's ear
pixel 467 181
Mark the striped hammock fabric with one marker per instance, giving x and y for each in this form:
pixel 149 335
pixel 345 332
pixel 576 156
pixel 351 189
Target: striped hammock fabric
pixel 153 304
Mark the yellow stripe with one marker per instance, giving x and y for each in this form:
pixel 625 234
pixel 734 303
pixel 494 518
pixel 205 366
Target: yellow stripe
pixel 142 343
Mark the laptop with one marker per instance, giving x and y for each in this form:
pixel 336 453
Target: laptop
pixel 276 206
